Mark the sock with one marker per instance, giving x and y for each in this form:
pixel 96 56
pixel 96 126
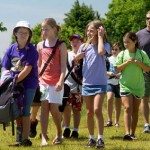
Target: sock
pixel 66 127
pixel 100 136
pixel 92 137
pixel 75 129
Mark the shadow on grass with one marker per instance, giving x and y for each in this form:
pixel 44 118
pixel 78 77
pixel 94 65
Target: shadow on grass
pixel 116 138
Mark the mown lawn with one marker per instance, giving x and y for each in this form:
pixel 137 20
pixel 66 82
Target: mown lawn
pixel 112 136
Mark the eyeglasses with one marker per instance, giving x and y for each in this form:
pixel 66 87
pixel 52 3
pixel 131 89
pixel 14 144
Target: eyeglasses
pixel 23 33
pixel 114 49
pixel 147 18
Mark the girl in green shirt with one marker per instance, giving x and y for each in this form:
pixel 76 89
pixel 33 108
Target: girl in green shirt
pixel 131 62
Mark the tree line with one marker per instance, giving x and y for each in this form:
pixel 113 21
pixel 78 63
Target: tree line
pixel 122 16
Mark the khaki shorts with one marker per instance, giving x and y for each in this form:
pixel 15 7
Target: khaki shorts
pixel 147 85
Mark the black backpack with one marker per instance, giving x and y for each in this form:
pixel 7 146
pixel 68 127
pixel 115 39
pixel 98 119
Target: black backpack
pixel 9 105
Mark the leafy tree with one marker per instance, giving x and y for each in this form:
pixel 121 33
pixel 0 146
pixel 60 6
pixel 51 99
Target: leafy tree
pixel 2 28
pixel 77 19
pixel 124 16
pixel 36 34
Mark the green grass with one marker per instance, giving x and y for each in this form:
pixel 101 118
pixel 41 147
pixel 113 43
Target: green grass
pixel 112 136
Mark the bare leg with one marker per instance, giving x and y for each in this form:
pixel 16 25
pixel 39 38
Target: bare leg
pixel 136 104
pixel 57 119
pixel 45 107
pixel 34 112
pixel 127 103
pixel 89 101
pixel 117 109
pixel 110 105
pixel 76 118
pixel 145 109
pixel 98 103
pixel 67 116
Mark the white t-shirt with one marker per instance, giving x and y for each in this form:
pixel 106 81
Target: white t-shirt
pixel 70 81
pixel 113 81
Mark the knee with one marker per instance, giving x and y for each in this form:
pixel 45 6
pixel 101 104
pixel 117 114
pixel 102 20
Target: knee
pixel 89 114
pixel 97 112
pixel 127 109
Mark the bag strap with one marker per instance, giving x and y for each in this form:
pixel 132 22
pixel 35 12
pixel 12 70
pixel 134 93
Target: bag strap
pixel 50 57
pixel 71 73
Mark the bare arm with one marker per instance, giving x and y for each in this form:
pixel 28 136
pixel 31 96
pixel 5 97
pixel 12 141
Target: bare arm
pixel 39 46
pixel 143 66
pixel 120 67
pixel 101 49
pixel 24 73
pixel 63 55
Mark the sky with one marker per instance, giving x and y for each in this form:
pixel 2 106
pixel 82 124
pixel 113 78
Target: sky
pixel 34 11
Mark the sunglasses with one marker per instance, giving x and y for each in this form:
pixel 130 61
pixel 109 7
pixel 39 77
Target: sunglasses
pixel 147 18
pixel 114 49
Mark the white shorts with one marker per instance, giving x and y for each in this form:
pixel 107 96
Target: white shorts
pixel 49 93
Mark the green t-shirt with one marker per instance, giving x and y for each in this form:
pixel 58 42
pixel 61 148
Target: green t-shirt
pixel 132 79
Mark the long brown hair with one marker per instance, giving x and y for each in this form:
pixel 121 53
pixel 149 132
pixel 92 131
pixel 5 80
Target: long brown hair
pixel 97 24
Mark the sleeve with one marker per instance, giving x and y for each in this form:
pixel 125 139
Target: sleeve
pixel 6 61
pixel 145 58
pixel 119 59
pixel 32 57
pixel 80 48
pixel 107 48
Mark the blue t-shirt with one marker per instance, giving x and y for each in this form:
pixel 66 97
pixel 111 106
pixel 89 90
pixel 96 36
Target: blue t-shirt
pixel 15 60
pixel 94 67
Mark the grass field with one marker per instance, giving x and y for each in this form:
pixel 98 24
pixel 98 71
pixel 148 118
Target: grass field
pixel 112 136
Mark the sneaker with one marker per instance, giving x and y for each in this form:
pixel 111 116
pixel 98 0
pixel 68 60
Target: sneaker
pixel 133 137
pixel 74 134
pixel 66 133
pixel 147 129
pixel 109 124
pixel 127 137
pixel 26 142
pixel 91 143
pixel 99 143
pixel 17 144
pixel 33 131
pixel 57 141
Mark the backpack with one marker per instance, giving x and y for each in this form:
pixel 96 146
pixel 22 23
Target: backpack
pixel 9 104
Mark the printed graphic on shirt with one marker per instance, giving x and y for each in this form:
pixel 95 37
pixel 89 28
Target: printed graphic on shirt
pixel 17 64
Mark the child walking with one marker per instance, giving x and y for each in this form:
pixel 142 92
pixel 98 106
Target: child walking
pixel 113 88
pixel 94 84
pixel 74 101
pixel 52 80
pixel 19 60
pixel 132 62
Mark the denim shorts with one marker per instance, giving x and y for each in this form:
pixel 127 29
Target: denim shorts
pixel 27 101
pixel 115 89
pixel 89 90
